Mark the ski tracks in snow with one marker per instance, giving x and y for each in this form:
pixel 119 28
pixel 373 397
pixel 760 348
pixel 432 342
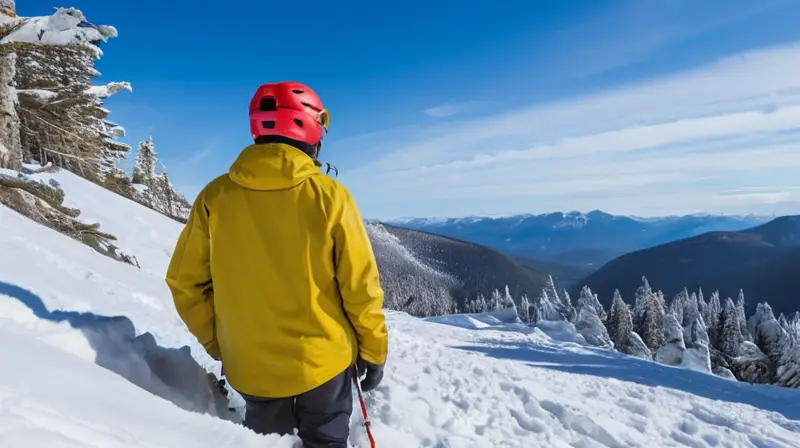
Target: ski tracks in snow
pixel 442 391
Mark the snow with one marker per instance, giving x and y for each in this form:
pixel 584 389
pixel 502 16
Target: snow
pixel 66 26
pixel 109 89
pixel 140 231
pixel 40 93
pixel 129 374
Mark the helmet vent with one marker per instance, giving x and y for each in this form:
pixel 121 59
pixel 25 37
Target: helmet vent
pixel 298 91
pixel 268 104
pixel 268 124
pixel 298 122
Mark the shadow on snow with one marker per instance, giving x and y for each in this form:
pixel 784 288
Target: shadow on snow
pixel 170 373
pixel 610 364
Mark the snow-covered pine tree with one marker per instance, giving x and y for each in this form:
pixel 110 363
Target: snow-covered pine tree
pixel 642 298
pixel 653 325
pixel 679 305
pixel 585 298
pixel 729 333
pixel 691 313
pixel 524 310
pixel 61 114
pixel 702 305
pixel 508 303
pixel 601 311
pixel 742 317
pixel 547 308
pixel 711 317
pixel 569 310
pixel 561 302
pixel 784 322
pixel 589 325
pixel 144 166
pixel 496 302
pixel 781 347
pixel 619 320
pixel 794 324
pixel 620 330
pixel 767 333
pixel 482 305
pixel 155 189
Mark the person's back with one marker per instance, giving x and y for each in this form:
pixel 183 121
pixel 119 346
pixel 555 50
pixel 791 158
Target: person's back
pixel 275 276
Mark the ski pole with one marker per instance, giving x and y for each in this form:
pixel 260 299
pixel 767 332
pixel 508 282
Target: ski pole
pixel 363 408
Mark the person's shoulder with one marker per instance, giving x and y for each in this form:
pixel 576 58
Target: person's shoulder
pixel 213 188
pixel 331 186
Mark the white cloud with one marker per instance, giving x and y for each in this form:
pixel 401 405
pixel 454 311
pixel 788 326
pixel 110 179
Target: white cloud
pixel 684 139
pixel 450 109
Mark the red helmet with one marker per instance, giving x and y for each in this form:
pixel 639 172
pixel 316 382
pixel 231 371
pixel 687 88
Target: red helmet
pixel 290 110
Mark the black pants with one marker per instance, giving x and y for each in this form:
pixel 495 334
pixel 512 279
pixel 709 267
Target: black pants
pixel 321 415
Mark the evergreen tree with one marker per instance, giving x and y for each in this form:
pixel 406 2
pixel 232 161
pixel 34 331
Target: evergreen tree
pixel 496 301
pixel 620 324
pixel 562 302
pixel 144 166
pixel 729 332
pixel 711 318
pixel 67 127
pixel 569 310
pixel 524 311
pixel 781 348
pixel 548 308
pixel 784 322
pixel 691 313
pixel 643 297
pixel 585 298
pixel 679 304
pixel 742 317
pixel 601 311
pixel 702 305
pixel 653 326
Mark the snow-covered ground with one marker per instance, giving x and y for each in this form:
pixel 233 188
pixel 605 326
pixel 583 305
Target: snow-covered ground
pixel 94 355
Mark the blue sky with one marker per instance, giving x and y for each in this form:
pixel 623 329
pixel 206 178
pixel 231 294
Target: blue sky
pixel 481 108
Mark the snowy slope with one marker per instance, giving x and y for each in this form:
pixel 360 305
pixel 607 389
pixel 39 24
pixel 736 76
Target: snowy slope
pixel 142 232
pixel 94 355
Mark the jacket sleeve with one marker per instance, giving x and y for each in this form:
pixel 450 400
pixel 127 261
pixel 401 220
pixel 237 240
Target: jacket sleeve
pixel 359 283
pixel 189 278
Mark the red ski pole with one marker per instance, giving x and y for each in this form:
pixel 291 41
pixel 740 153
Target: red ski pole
pixel 363 408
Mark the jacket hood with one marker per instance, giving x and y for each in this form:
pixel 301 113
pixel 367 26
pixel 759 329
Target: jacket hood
pixel 272 166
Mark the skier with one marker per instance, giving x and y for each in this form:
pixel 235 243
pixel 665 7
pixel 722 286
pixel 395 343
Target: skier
pixel 275 276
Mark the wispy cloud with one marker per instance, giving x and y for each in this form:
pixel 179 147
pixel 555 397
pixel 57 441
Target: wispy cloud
pixel 450 109
pixel 673 144
pixel 628 32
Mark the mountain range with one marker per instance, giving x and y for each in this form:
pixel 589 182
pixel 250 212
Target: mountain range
pixel 762 261
pixel 585 239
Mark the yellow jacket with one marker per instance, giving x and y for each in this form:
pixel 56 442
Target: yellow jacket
pixel 275 275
